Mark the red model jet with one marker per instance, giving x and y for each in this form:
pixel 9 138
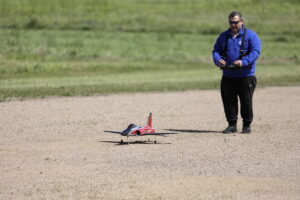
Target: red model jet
pixel 134 130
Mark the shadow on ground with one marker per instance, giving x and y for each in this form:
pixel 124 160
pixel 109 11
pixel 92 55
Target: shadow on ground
pixel 133 142
pixel 193 131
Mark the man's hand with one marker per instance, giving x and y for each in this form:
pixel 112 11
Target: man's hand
pixel 221 63
pixel 238 63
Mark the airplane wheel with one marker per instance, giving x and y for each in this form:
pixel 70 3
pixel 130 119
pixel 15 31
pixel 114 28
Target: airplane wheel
pixel 154 142
pixel 122 141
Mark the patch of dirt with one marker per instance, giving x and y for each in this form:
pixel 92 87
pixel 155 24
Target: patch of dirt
pixel 57 148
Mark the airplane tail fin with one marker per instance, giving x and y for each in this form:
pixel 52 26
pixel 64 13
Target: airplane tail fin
pixel 149 123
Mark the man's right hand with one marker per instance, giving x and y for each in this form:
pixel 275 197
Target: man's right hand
pixel 222 63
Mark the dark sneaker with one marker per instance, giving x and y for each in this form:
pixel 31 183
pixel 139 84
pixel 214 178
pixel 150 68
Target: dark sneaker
pixel 246 129
pixel 230 129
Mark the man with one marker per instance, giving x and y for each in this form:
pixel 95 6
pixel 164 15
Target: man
pixel 235 52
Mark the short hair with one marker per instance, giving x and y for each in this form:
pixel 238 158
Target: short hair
pixel 235 13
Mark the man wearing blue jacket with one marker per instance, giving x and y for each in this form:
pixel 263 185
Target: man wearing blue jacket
pixel 235 52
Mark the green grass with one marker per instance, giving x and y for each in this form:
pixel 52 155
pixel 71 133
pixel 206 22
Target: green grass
pixel 87 47
pixel 190 16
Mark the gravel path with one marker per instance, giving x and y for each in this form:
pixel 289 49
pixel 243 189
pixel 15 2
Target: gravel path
pixel 56 148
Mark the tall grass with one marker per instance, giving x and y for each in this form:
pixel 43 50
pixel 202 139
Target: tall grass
pixel 97 46
pixel 188 16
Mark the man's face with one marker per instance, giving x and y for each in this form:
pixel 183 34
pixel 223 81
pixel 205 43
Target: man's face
pixel 236 24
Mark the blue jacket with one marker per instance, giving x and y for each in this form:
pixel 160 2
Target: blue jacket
pixel 252 46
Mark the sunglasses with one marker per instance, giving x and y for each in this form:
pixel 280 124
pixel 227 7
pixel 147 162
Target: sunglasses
pixel 234 22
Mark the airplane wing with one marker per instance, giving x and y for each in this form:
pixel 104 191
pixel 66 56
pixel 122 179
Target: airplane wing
pixel 117 132
pixel 160 134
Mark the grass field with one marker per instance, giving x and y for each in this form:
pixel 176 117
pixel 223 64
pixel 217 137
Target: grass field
pixel 88 47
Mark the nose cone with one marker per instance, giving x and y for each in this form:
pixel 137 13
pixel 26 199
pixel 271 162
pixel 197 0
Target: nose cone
pixel 128 129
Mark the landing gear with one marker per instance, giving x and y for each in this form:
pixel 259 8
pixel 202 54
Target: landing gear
pixel 122 141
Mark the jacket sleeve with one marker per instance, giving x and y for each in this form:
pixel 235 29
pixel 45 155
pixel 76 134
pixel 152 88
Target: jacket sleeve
pixel 254 48
pixel 216 53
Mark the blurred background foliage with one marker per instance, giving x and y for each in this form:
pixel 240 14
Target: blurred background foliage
pixel 82 47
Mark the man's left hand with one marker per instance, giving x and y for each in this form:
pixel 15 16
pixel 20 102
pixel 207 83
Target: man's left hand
pixel 238 63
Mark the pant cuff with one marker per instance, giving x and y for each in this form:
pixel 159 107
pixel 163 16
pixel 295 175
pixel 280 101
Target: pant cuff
pixel 246 123
pixel 232 122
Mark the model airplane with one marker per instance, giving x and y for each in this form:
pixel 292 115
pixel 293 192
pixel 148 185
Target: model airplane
pixel 134 130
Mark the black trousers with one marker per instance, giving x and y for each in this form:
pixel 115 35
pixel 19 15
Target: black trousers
pixel 231 89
